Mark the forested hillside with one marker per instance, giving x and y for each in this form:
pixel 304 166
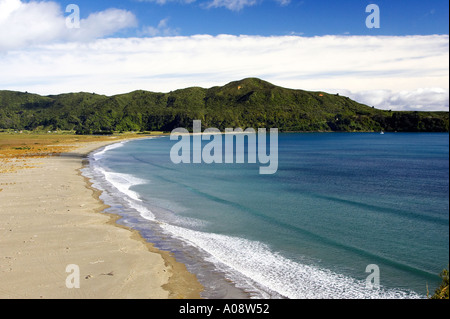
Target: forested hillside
pixel 247 103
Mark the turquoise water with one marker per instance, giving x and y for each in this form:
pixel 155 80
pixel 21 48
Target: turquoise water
pixel 338 203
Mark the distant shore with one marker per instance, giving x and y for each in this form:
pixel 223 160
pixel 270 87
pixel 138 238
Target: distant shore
pixel 51 218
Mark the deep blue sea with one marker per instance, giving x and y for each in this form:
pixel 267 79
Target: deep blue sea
pixel 338 203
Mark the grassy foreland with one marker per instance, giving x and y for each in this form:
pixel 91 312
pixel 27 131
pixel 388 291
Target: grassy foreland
pixel 16 149
pixel 247 103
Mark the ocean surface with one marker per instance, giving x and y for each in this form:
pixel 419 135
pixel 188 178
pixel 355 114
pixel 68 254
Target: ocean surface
pixel 339 204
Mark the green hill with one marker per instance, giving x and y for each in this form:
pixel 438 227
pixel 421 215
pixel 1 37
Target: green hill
pixel 250 102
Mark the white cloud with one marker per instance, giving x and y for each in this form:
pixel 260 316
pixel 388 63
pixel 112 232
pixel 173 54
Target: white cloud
pixel 410 72
pixel 234 5
pixel 283 2
pixel 104 23
pixel 420 99
pixel 162 2
pixel 162 29
pixel 32 23
pixel 8 7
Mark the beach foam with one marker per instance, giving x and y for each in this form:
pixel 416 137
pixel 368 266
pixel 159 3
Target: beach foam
pixel 99 155
pixel 272 272
pixel 143 211
pixel 123 183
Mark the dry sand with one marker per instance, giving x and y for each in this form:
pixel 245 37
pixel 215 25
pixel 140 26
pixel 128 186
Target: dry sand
pixel 50 218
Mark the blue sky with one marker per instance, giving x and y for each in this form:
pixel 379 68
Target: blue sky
pixel 163 45
pixel 271 17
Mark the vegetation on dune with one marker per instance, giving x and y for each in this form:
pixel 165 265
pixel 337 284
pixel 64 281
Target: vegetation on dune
pixel 247 103
pixel 442 291
pixel 19 148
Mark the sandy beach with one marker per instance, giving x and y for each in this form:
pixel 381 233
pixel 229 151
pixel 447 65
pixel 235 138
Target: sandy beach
pixel 50 218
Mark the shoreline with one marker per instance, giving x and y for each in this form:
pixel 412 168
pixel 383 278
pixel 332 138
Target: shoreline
pixel 181 280
pixel 207 274
pixel 57 223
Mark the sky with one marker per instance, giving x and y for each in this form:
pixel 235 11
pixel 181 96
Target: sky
pixel 162 45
